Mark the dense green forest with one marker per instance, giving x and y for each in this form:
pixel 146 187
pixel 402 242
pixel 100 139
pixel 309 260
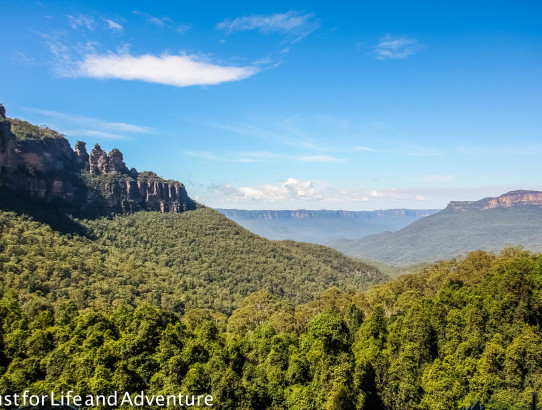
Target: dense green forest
pixel 174 261
pixel 461 330
pixel 193 303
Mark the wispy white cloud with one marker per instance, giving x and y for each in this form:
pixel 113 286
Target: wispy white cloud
pixel 91 23
pixel 411 151
pixel 362 195
pixel 259 156
pixel 395 194
pixel 321 158
pixel 182 28
pixel 83 126
pixel 297 191
pixel 326 196
pixel 176 70
pixel 78 21
pixel 163 22
pixel 347 196
pixel 150 19
pixel 292 23
pixel 77 57
pixel 113 25
pixel 66 48
pixel 376 194
pixel 280 132
pixel 365 149
pixel 292 133
pixel 291 189
pixel 233 156
pixel 206 155
pixel 396 47
pixel 93 134
pixel 118 126
pixel 25 59
pixel 61 52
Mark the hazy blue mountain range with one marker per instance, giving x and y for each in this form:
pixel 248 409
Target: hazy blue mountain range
pixel 491 224
pixel 323 226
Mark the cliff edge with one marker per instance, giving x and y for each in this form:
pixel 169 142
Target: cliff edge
pixel 508 200
pixel 38 164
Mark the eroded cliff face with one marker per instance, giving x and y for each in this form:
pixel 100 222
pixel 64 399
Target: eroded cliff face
pixel 131 196
pixel 510 199
pixel 43 166
pixel 8 145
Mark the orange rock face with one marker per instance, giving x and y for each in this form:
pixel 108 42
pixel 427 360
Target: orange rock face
pixel 513 198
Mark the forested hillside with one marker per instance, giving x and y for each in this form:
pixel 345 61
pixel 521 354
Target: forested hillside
pixel 458 332
pixel 175 261
pixel 450 233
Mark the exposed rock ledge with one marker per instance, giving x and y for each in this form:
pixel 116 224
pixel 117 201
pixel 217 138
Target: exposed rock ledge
pixel 39 163
pixel 510 199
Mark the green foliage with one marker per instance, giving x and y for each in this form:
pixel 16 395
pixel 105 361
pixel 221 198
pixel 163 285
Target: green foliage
pixel 194 303
pixel 329 329
pixel 149 176
pixel 99 181
pixel 25 131
pixel 197 259
pixel 450 233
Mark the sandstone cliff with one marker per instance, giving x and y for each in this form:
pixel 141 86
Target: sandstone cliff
pixel 37 163
pixel 508 200
pixel 8 156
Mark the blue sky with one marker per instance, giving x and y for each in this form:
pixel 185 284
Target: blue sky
pixel 280 105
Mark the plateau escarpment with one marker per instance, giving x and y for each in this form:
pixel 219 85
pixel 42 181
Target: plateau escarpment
pixel 508 200
pixel 323 226
pixel 489 224
pixel 38 164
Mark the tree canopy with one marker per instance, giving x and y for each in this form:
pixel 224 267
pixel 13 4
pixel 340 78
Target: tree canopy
pixel 193 303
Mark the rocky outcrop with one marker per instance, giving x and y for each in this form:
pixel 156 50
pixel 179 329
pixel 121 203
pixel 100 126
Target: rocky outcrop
pixel 45 168
pixel 8 146
pixel 116 163
pixel 508 200
pixel 41 168
pixel 102 163
pixel 49 156
pixel 82 155
pixel 132 196
pixel 98 161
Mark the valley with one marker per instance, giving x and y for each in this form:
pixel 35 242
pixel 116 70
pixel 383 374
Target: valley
pixel 115 280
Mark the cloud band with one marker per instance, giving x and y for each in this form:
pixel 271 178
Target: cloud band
pixel 176 70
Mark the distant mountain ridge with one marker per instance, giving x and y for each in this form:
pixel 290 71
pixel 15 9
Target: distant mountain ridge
pixel 490 224
pixel 323 226
pixel 510 199
pixel 324 213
